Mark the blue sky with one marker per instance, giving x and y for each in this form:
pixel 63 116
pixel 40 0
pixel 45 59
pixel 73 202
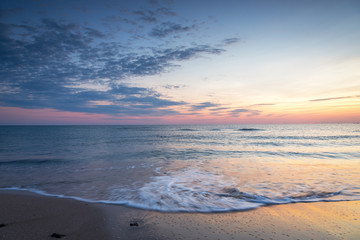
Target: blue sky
pixel 179 61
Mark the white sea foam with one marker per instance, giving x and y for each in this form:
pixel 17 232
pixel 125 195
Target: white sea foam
pixel 192 190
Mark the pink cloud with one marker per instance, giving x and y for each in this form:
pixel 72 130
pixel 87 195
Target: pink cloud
pixel 20 116
pixel 14 115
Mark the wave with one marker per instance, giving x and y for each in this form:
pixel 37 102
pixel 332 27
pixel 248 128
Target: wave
pixel 277 144
pixel 250 129
pixel 31 162
pixel 187 130
pixel 43 193
pixel 322 138
pixel 203 201
pixel 310 196
pixel 136 128
pixel 190 190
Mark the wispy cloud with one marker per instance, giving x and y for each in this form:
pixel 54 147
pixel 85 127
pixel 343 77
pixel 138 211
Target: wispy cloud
pixel 217 109
pixel 166 12
pixel 203 105
pixel 262 104
pixel 171 86
pixel 147 16
pixel 333 98
pixel 168 28
pixel 239 111
pixel 117 19
pixel 152 16
pixel 230 41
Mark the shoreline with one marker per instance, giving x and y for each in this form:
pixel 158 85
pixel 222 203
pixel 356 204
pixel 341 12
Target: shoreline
pixel 27 215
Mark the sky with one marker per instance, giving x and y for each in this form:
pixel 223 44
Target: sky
pixel 179 62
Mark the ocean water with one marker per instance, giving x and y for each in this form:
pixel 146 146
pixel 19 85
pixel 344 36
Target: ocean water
pixel 188 168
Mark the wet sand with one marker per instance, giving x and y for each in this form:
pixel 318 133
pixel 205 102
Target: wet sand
pixel 30 216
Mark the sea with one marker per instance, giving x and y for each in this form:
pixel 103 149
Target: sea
pixel 184 168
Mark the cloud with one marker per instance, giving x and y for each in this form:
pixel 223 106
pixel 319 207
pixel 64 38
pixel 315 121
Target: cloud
pixel 219 109
pixel 171 86
pixel 184 53
pixel 68 67
pixel 151 16
pixel 94 33
pixel 263 104
pixel 333 98
pixel 203 105
pixel 239 111
pixel 117 19
pixel 230 41
pixel 168 28
pixel 166 12
pixel 254 113
pixel 145 102
pixel 146 16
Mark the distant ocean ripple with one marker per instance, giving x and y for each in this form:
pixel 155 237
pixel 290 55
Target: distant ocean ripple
pixel 184 168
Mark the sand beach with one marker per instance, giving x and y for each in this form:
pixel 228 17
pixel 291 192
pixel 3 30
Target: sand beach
pixel 25 215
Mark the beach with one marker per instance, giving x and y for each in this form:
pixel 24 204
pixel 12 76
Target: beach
pixel 169 119
pixel 29 216
pixel 180 182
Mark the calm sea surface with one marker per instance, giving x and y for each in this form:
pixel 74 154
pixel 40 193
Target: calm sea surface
pixel 185 168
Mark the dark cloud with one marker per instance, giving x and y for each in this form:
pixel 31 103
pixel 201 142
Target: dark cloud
pixel 70 67
pixel 333 98
pixel 151 16
pixel 185 53
pixel 94 33
pixel 114 19
pixel 167 28
pixel 166 12
pixel 147 16
pixel 229 41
